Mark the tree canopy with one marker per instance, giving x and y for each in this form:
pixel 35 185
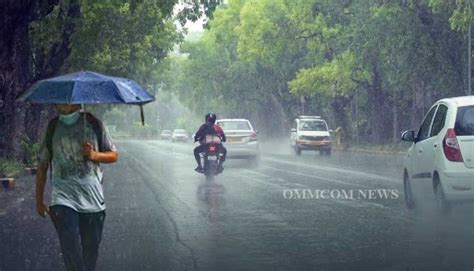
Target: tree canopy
pixel 372 67
pixel 41 39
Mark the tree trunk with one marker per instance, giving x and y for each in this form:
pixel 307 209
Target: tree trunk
pixel 14 77
pixel 395 124
pixel 376 100
pixel 36 119
pixel 278 111
pixel 413 109
pixel 339 105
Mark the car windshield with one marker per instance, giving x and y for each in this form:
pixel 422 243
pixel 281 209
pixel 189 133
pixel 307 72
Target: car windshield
pixel 313 125
pixel 180 132
pixel 465 121
pixel 234 125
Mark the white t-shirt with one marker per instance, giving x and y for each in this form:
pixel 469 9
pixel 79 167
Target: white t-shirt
pixel 76 181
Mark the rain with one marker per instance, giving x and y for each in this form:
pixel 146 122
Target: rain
pixel 330 135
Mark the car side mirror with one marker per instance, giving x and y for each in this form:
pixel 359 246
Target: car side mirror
pixel 293 130
pixel 256 131
pixel 331 131
pixel 408 136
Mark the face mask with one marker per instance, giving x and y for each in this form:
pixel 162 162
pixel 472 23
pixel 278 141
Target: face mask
pixel 69 119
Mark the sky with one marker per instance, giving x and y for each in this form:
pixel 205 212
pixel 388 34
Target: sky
pixel 195 29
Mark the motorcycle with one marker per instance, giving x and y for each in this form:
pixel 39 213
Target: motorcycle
pixel 212 157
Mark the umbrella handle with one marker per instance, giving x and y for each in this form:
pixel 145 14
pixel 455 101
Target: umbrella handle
pixel 142 115
pixel 85 122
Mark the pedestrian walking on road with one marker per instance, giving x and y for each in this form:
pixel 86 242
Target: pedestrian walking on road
pixel 73 147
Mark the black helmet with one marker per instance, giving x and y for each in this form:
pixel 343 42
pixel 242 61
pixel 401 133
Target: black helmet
pixel 210 118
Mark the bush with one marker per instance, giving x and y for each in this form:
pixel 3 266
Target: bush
pixel 10 168
pixel 30 150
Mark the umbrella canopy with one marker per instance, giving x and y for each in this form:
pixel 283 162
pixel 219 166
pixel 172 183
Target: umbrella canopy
pixel 86 88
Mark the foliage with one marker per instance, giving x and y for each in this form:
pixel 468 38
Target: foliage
pixel 329 78
pixel 461 14
pixel 371 67
pixel 126 38
pixel 131 41
pixel 10 168
pixel 189 124
pixel 30 149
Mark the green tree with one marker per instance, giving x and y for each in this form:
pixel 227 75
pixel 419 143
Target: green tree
pixel 372 67
pixel 39 39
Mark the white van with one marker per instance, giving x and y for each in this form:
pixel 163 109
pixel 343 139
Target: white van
pixel 310 133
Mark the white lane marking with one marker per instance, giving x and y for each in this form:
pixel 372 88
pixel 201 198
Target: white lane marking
pixel 350 203
pixel 316 177
pixel 181 156
pixel 343 202
pixel 349 172
pixel 333 169
pixel 360 203
pixel 278 179
pixel 254 179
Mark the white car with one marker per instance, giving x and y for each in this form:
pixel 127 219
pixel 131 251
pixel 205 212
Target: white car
pixel 310 133
pixel 165 135
pixel 242 139
pixel 179 135
pixel 441 158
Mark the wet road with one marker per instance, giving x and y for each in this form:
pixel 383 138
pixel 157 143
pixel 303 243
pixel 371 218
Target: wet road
pixel 161 215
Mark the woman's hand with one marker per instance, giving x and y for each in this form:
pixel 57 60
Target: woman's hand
pixel 99 157
pixel 42 209
pixel 89 152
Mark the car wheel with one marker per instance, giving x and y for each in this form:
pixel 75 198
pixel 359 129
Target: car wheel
pixel 441 202
pixel 298 150
pixel 409 199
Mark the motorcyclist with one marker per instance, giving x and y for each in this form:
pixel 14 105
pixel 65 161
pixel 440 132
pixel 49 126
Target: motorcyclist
pixel 209 128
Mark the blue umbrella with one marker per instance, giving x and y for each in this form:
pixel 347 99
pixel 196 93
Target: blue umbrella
pixel 87 87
